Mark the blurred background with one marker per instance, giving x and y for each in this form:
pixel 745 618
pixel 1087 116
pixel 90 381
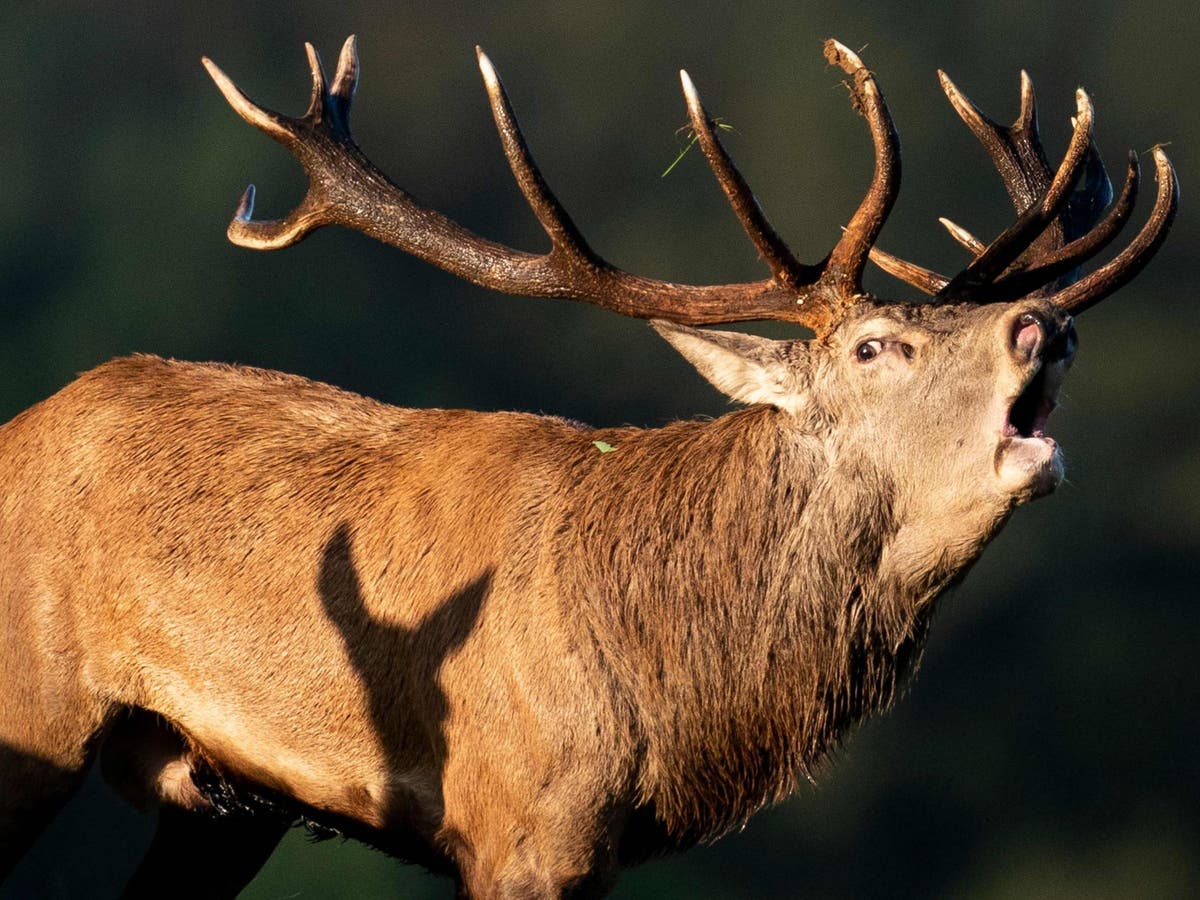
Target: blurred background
pixel 1051 745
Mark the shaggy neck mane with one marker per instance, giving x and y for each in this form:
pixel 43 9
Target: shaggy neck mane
pixel 740 656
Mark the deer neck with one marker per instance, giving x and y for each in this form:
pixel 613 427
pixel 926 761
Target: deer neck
pixel 741 582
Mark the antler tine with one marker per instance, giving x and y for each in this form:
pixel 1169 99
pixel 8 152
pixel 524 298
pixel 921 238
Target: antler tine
pixel 964 237
pixel 275 234
pixel 1093 288
pixel 564 235
pixel 1023 282
pixel 845 264
pixel 1001 252
pixel 1027 116
pixel 925 280
pixel 264 120
pixel 316 100
pixel 345 80
pixel 784 266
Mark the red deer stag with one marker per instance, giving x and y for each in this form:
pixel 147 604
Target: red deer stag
pixel 259 599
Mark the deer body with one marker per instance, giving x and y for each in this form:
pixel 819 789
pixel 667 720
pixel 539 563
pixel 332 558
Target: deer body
pixel 510 647
pixel 414 621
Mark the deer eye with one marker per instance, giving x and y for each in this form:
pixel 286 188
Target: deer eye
pixel 868 350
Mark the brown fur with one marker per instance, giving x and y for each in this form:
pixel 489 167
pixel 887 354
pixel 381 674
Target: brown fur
pixel 475 638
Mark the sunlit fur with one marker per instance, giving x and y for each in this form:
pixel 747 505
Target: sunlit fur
pixel 475 639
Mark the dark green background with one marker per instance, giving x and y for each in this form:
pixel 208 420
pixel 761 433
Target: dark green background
pixel 1051 745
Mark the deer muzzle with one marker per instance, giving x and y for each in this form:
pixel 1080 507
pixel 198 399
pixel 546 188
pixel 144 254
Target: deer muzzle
pixel 1043 343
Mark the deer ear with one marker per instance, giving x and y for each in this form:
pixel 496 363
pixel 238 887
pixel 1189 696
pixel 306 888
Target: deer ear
pixel 744 367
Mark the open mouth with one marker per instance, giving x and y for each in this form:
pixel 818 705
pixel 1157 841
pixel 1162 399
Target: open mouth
pixel 1028 414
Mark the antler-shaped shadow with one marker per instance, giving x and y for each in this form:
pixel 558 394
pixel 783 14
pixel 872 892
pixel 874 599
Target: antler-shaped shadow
pixel 399 668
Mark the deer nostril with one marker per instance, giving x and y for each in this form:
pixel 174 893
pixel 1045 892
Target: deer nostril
pixel 1027 335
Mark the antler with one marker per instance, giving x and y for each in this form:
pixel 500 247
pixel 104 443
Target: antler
pixel 1057 228
pixel 346 189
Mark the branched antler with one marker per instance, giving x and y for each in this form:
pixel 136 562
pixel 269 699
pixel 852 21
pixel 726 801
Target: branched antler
pixel 1057 229
pixel 346 189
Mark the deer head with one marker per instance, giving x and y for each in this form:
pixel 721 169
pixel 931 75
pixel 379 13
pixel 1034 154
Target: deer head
pixel 987 352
